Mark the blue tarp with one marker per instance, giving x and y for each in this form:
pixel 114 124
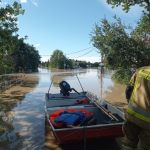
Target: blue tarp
pixel 71 118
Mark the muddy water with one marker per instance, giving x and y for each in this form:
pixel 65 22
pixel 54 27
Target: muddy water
pixel 22 120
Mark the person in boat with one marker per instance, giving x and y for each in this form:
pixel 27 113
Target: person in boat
pixel 136 128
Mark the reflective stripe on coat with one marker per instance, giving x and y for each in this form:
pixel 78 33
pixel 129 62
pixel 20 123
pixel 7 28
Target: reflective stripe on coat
pixel 139 103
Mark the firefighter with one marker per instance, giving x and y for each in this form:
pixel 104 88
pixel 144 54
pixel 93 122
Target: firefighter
pixel 136 128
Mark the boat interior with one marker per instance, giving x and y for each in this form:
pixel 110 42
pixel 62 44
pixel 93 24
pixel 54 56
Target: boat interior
pixel 98 118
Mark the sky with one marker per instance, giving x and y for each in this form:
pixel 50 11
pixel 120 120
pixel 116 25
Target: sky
pixel 67 24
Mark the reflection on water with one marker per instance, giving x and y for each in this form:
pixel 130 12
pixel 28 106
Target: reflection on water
pixel 10 133
pixel 57 76
pixel 91 80
pixel 22 119
pixel 6 121
pixel 29 121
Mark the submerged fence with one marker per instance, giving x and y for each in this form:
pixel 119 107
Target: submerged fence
pixel 8 80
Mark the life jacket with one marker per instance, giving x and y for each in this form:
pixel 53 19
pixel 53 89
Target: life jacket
pixel 139 103
pixel 82 101
pixel 64 118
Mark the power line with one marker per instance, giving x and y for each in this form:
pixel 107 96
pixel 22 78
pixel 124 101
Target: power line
pixel 85 53
pixel 73 52
pixel 79 51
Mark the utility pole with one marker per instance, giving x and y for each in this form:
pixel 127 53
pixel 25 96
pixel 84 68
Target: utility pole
pixel 101 78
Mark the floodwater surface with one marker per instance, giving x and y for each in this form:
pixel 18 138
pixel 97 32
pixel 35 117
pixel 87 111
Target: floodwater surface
pixel 22 121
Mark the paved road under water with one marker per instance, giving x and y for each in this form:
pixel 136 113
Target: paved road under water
pixel 24 119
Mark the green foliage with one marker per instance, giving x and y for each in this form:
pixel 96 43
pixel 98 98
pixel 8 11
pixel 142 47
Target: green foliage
pixel 8 17
pixel 122 76
pixel 139 39
pixel 121 49
pixel 142 30
pixel 68 64
pixel 57 60
pixel 15 55
pixel 8 40
pixel 127 5
pixel 96 64
pixel 45 64
pixel 82 64
pixel 142 36
pixel 26 58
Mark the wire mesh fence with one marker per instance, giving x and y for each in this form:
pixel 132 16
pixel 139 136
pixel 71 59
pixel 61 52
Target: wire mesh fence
pixel 8 80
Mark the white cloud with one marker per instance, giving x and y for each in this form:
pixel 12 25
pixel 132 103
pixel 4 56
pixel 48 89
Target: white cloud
pixel 37 45
pixel 3 3
pixel 23 1
pixel 35 2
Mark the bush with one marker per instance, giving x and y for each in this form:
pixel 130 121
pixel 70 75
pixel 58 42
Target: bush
pixel 122 76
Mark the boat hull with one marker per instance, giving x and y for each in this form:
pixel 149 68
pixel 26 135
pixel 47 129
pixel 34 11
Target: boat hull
pixel 76 135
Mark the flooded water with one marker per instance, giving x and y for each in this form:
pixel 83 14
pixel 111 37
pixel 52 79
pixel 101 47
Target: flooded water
pixel 22 121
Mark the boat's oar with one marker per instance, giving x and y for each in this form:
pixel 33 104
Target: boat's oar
pixel 108 113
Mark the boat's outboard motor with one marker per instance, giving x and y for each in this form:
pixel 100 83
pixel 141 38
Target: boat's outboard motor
pixel 65 88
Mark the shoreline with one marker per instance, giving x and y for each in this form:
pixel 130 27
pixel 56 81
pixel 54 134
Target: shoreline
pixel 28 81
pixel 116 95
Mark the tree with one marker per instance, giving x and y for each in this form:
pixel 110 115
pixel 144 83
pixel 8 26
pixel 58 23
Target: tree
pixel 26 58
pixel 142 30
pixel 8 36
pixel 57 60
pixel 82 64
pixel 8 17
pixel 120 49
pixel 142 35
pixel 15 54
pixel 127 4
pixel 68 64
